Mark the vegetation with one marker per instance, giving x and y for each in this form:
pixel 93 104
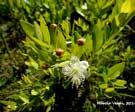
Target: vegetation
pixel 67 55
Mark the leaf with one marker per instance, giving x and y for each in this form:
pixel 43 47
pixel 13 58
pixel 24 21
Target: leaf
pixel 27 79
pixel 2 81
pixel 103 86
pixel 33 92
pixel 132 85
pixel 60 40
pixel 106 6
pixel 114 75
pixel 11 3
pixel 37 31
pixel 117 20
pixel 110 89
pixel 76 50
pixel 120 82
pixel 39 42
pixel 115 71
pixel 44 55
pixel 14 97
pixel 79 12
pixel 128 6
pixel 48 102
pixel 88 44
pixel 33 47
pixel 32 63
pixel 48 109
pixel 62 64
pixel 98 35
pixel 65 26
pixel 24 99
pixel 53 35
pixel 28 28
pixel 10 104
pixel 44 30
pixel 129 49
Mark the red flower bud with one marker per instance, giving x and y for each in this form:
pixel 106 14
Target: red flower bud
pixel 59 52
pixel 81 41
pixel 45 66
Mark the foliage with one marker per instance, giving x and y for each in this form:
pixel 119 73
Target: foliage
pixel 54 58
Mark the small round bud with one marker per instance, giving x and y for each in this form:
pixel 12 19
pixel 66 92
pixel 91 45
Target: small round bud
pixel 45 66
pixel 81 41
pixel 53 26
pixel 59 52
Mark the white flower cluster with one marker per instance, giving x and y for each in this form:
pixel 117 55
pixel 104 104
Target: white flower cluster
pixel 76 71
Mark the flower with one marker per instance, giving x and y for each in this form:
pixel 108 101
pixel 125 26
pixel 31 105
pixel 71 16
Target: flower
pixel 76 71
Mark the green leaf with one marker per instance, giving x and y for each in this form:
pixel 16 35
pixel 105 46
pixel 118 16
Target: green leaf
pixel 115 71
pixel 45 31
pixel 10 104
pixel 48 109
pixel 129 49
pixel 32 63
pixel 98 35
pixel 132 85
pixel 128 6
pixel 65 26
pixel 14 97
pixel 120 83
pixel 2 81
pixel 26 79
pixel 11 3
pixel 120 20
pixel 39 42
pixel 114 75
pixel 28 28
pixel 88 44
pixel 117 20
pixel 24 99
pixel 53 35
pixel 110 89
pixel 62 64
pixel 76 50
pixel 29 43
pixel 34 92
pixel 106 6
pixel 103 86
pixel 37 31
pixel 48 102
pixel 60 40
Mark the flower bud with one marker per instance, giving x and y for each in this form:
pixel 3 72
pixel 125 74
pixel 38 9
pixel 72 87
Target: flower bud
pixel 81 41
pixel 59 52
pixel 53 26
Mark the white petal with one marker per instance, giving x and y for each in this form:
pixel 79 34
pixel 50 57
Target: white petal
pixel 66 70
pixel 84 64
pixel 76 81
pixel 74 59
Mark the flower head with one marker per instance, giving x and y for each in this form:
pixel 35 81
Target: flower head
pixel 76 71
